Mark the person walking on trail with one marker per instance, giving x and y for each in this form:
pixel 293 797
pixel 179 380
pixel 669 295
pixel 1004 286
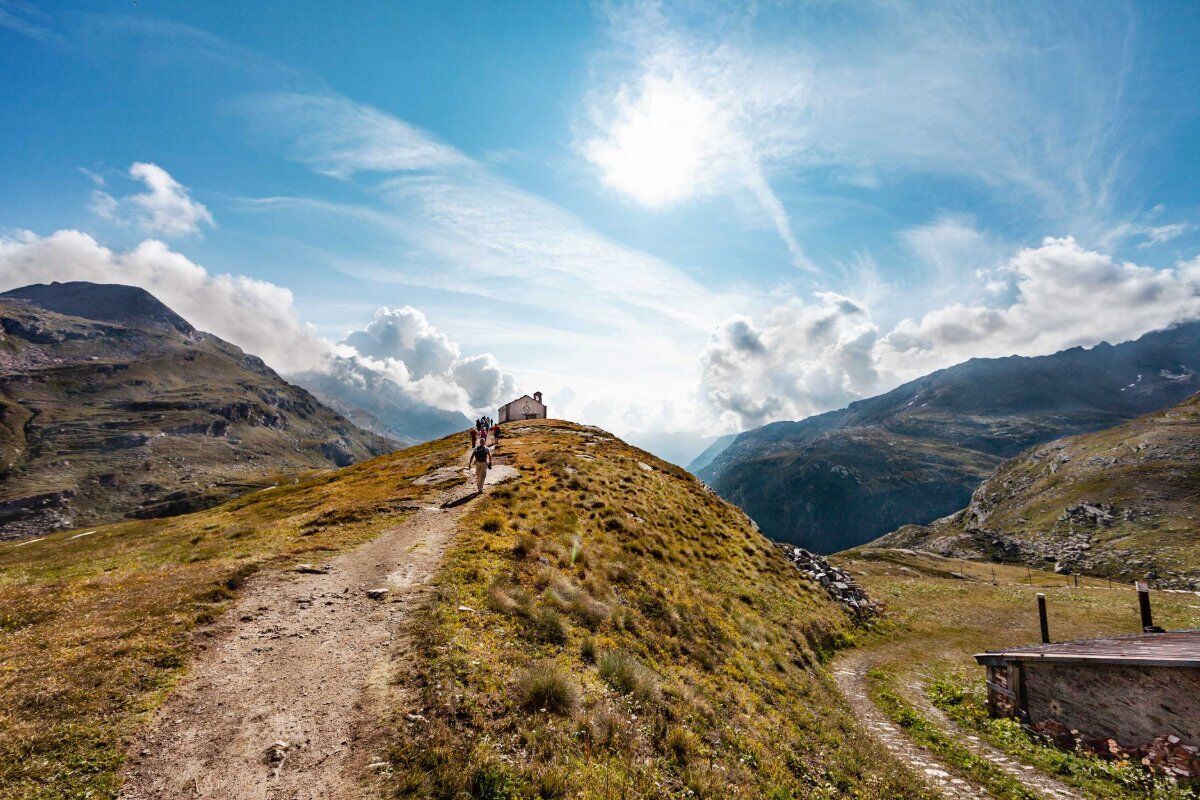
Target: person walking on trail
pixel 481 459
pixel 474 436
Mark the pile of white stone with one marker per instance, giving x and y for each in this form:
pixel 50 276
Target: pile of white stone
pixel 840 585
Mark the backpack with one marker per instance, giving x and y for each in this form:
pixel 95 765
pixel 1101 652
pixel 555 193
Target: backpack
pixel 481 454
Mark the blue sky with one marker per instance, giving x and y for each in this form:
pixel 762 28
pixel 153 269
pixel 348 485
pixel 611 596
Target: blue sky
pixel 695 217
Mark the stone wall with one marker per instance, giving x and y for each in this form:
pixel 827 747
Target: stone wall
pixel 1131 704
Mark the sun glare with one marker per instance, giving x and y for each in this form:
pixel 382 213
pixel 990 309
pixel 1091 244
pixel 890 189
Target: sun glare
pixel 661 144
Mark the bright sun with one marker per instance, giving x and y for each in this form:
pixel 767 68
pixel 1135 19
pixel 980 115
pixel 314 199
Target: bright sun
pixel 660 144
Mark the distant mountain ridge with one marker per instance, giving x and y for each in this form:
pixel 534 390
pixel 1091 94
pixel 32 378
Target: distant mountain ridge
pixel 1121 502
pixel 130 411
pixel 379 404
pixel 916 453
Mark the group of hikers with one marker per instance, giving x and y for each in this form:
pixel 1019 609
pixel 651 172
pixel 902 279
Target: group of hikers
pixel 481 454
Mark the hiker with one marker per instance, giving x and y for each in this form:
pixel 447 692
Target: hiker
pixel 481 458
pixel 495 433
pixel 474 436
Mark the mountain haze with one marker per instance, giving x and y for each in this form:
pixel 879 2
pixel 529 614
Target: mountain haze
pixel 916 453
pixel 112 405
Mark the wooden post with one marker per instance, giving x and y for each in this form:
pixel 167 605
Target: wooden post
pixel 1143 590
pixel 1042 619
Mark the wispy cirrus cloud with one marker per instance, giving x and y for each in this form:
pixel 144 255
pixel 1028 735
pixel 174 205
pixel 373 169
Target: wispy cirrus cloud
pixel 689 104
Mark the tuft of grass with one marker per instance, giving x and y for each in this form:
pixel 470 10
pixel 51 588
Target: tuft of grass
pixel 628 676
pixel 546 687
pixel 548 625
pixel 680 744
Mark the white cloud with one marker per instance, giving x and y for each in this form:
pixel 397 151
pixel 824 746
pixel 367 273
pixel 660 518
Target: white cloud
pixel 402 344
pixel 800 361
pixel 953 249
pixel 804 359
pixel 166 208
pixel 339 137
pixel 405 334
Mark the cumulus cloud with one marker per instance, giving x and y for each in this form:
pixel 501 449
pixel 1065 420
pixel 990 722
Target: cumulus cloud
pixel 258 316
pixel 165 208
pixel 402 344
pixel 405 334
pixel 800 360
pixel 804 359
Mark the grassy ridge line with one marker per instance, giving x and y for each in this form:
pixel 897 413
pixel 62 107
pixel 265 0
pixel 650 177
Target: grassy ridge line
pixel 606 627
pixel 96 627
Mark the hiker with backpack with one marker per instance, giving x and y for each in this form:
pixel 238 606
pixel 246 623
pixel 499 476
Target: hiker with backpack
pixel 481 459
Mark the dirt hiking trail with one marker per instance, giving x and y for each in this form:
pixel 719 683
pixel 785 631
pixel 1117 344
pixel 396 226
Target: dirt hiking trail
pixel 290 697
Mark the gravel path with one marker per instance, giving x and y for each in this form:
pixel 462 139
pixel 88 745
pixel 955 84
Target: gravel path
pixel 850 672
pixel 286 700
pixel 1032 778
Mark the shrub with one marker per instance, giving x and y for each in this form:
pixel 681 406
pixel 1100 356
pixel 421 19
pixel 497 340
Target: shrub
pixel 491 525
pixel 545 687
pixel 587 650
pixel 627 675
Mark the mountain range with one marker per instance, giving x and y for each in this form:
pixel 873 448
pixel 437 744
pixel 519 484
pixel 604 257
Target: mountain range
pixel 113 405
pixel 916 453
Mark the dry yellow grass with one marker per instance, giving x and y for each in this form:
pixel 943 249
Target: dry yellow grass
pixel 95 628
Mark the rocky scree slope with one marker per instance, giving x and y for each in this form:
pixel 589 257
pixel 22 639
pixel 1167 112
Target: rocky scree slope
pixel 915 454
pixel 1122 503
pixel 605 626
pixel 131 411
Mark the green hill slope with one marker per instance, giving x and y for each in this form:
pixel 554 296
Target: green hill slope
pixel 1122 503
pixel 602 626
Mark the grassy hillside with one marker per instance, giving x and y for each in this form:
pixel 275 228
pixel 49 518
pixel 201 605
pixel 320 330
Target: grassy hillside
pixel 606 627
pixel 942 611
pixel 96 625
pixel 144 418
pixel 1122 503
pixel 601 627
